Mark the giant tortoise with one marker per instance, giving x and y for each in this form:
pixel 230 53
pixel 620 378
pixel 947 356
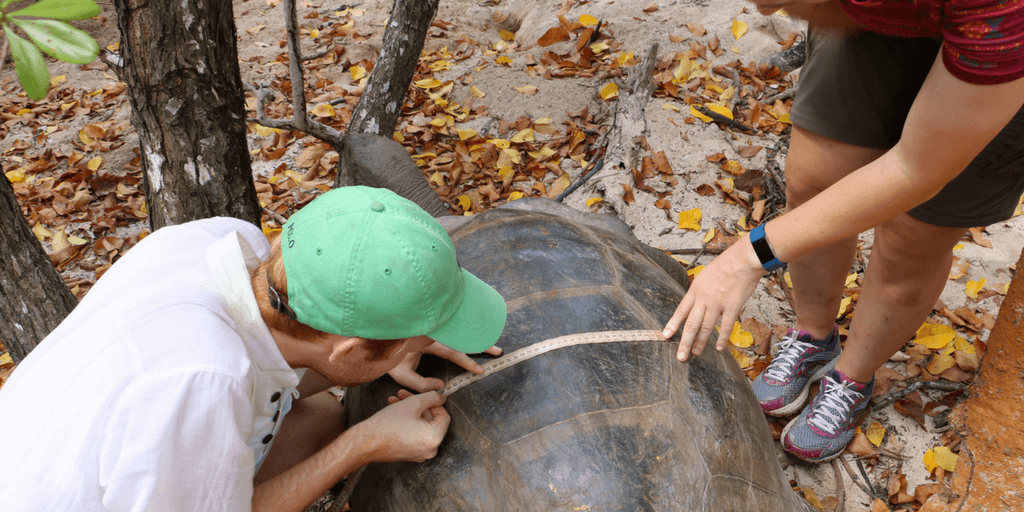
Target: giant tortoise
pixel 597 427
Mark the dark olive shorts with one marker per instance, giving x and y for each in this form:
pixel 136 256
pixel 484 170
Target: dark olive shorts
pixel 858 89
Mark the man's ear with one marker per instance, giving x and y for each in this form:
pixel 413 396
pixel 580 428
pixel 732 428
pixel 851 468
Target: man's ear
pixel 343 347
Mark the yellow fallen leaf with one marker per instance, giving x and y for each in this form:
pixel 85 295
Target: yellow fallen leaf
pixel 875 433
pixel 812 498
pixel 670 106
pixel 464 202
pixel 427 83
pixel 741 358
pixel 524 135
pixel 682 71
pixel 41 232
pixel 324 110
pixel 251 31
pixel 54 80
pixel 16 176
pixel 314 33
pixel 59 241
pixel 594 200
pixel 5 359
pixel 851 280
pixel 789 281
pixel 935 336
pixel 957 247
pixel 437 179
pixel 467 134
pixel 527 89
pixel 844 305
pixel 690 219
pixel 707 237
pixel 543 152
pixel 598 47
pixel 738 28
pixel 500 143
pixel 610 91
pixel 515 195
pixel 504 60
pixel 784 118
pixel 739 337
pixel 940 457
pixel 587 20
pixel 973 287
pixel 506 35
pixel 939 363
pixel 693 272
pixel 264 131
pixel 74 240
pixel 945 458
pixel 626 58
pixel 95 163
pixel 477 93
pixel 357 72
pixel 85 138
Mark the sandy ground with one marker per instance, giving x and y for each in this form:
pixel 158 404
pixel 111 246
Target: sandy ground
pixel 635 26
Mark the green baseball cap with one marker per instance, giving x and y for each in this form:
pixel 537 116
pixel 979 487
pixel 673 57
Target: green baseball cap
pixel 368 263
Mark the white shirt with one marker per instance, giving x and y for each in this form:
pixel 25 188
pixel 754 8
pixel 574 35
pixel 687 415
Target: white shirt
pixel 161 391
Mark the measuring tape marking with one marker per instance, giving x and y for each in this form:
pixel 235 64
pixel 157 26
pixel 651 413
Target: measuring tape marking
pixel 536 349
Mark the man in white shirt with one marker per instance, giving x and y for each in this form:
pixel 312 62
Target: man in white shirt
pixel 168 386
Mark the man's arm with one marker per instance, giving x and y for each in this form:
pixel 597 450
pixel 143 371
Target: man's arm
pixel 409 430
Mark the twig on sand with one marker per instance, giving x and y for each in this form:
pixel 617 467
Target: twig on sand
pixel 849 471
pixel 840 489
pixel 891 398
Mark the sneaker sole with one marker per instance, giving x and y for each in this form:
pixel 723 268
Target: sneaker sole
pixel 801 399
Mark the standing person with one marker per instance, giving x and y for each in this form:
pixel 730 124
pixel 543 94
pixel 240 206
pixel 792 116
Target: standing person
pixel 173 384
pixel 908 120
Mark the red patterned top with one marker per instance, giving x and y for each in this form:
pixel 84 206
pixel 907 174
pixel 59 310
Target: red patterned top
pixel 982 40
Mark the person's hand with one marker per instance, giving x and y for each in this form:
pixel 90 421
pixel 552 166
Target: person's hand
pixel 409 429
pixel 720 290
pixel 405 373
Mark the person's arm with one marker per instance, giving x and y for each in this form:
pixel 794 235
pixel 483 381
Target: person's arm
pixel 950 122
pixel 408 430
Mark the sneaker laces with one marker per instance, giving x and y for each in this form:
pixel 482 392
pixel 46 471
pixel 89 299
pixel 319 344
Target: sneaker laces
pixel 835 404
pixel 790 351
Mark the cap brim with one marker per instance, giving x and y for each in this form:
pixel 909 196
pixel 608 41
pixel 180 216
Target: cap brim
pixel 479 321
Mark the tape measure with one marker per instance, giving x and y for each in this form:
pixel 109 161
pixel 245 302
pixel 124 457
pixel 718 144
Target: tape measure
pixel 512 359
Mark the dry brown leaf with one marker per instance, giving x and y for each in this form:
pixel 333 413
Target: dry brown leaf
pixel 696 29
pixel 879 506
pixel 651 8
pixel 554 35
pixel 705 190
pixel 749 151
pixel 861 446
pixel 627 194
pixel 978 236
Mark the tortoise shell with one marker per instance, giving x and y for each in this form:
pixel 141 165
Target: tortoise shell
pixel 617 427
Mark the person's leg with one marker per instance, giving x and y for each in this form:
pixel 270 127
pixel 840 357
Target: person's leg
pixel 814 163
pixel 907 270
pixel 312 423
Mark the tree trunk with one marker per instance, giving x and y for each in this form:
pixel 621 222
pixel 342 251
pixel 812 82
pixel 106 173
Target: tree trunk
pixel 381 104
pixel 181 67
pixel 33 297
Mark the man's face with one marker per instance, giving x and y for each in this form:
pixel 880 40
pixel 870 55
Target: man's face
pixel 358 365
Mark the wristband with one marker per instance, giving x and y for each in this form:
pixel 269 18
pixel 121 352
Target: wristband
pixel 764 251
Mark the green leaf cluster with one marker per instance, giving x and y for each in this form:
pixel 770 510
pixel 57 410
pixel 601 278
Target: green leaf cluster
pixel 58 39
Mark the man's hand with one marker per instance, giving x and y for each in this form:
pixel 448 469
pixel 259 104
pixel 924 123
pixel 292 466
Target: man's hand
pixel 405 373
pixel 409 429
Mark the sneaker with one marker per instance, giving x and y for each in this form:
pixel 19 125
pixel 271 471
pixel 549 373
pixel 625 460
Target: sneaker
pixel 823 429
pixel 781 389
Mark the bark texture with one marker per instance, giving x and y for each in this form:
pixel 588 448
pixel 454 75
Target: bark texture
pixel 33 297
pixel 379 107
pixel 181 67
